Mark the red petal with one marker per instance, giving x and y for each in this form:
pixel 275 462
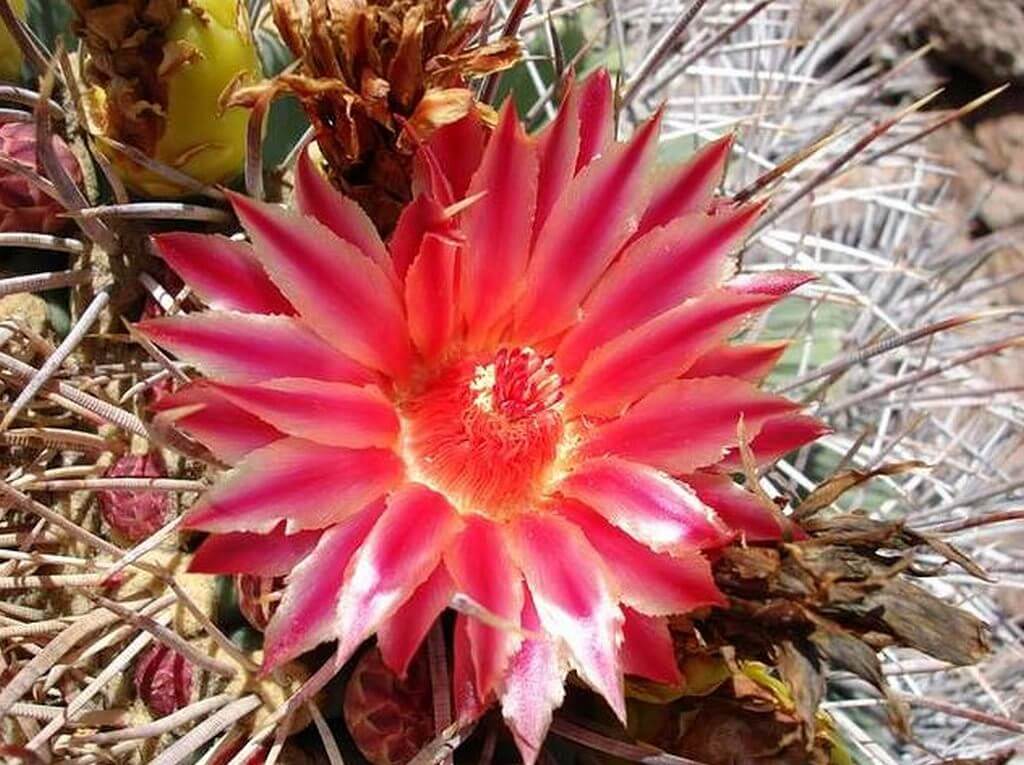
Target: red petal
pixel 420 217
pixel 344 296
pixel 457 147
pixel 483 569
pixel 688 188
pixel 648 505
pixel 430 294
pixel 307 615
pixel 631 365
pixel 653 583
pixel 336 414
pixel 468 705
pixel 778 438
pixel 597 117
pixel 686 424
pixel 558 144
pixel 399 555
pixel 317 198
pixel 592 219
pixel 776 283
pixel 400 637
pixel 305 484
pixel 243 348
pixel 224 273
pixel 655 273
pixel 647 648
pixel 227 431
pixel 745 362
pixel 534 687
pixel 499 226
pixel 273 554
pixel 570 588
pixel 741 510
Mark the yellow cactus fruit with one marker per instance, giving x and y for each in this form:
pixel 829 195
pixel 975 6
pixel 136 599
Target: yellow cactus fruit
pixel 10 53
pixel 169 105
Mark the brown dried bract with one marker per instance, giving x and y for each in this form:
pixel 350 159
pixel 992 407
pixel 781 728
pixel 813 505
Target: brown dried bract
pixel 125 41
pixel 376 77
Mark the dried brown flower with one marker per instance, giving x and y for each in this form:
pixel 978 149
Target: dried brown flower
pixel 375 77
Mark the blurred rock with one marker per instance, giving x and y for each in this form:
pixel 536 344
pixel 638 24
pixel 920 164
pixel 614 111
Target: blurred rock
pixel 984 37
pixel 23 324
pixel 27 308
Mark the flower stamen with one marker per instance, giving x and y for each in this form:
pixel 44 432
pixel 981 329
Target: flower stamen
pixel 487 432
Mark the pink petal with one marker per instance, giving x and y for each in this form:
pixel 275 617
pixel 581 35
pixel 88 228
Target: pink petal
pixel 558 144
pixel 597 117
pixel 593 217
pixel 347 298
pixel 534 687
pixel 778 438
pixel 336 414
pixel 499 226
pixel 273 554
pixel 307 614
pixel 227 431
pixel 400 637
pixel 317 198
pixel 650 506
pixel 574 599
pixel 469 706
pixel 223 272
pixel 741 510
pixel 653 583
pixel 688 188
pixel 745 362
pixel 687 424
pixel 305 484
pixel 424 215
pixel 647 648
pixel 399 555
pixel 776 283
pixel 655 273
pixel 430 294
pixel 244 348
pixel 623 370
pixel 482 568
pixel 457 148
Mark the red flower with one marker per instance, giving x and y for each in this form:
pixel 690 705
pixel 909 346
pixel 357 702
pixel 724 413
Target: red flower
pixel 525 398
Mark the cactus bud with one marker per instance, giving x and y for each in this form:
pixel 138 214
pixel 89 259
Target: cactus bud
pixel 390 719
pixel 135 515
pixel 256 598
pixel 163 680
pixel 23 206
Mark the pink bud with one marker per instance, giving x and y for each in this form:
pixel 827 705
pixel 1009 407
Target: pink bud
pixel 135 515
pixel 258 598
pixel 23 205
pixel 390 719
pixel 163 680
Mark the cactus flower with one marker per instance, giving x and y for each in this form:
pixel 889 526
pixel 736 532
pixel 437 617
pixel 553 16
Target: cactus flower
pixel 527 398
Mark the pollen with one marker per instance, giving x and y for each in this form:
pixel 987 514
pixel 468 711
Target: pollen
pixel 488 432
